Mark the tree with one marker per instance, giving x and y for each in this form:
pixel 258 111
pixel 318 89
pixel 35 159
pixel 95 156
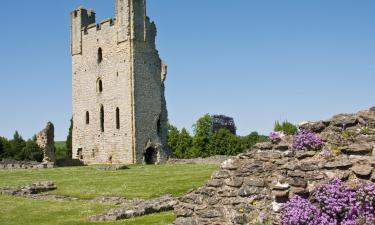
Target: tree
pixel 202 134
pixel 69 140
pixel 15 146
pixel 1 148
pixel 31 152
pixel 172 138
pixel 183 144
pixel 224 143
pixel 286 127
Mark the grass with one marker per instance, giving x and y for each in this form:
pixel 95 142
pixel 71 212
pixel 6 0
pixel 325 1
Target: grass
pixel 144 182
pixel 19 211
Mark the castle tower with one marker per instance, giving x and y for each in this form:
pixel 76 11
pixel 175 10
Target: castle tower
pixel 119 109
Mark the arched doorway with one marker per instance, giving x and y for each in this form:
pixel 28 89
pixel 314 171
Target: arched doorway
pixel 151 156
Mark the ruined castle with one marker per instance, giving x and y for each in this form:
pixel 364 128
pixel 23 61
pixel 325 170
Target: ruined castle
pixel 119 108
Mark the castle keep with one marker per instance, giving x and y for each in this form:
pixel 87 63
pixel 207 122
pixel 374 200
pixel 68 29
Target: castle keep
pixel 119 108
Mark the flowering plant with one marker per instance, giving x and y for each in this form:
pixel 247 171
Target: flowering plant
pixel 276 136
pixel 307 140
pixel 332 203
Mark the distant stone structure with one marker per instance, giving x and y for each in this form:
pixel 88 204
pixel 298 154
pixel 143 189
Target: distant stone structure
pixel 46 141
pixel 223 122
pixel 119 108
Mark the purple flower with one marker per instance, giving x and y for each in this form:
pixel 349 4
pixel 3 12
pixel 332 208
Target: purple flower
pixel 307 140
pixel 275 136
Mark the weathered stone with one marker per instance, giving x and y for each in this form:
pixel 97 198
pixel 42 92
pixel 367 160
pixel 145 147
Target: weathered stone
pixel 221 174
pixel 280 194
pixel 46 141
pixel 344 120
pixel 297 191
pixel 248 190
pixel 341 163
pixel 234 181
pixel 229 165
pixel 119 107
pixel 209 213
pixel 305 154
pixel 358 148
pixel 315 127
pixel 362 170
pixel 279 186
pixel 264 146
pixel 215 183
pixel 250 181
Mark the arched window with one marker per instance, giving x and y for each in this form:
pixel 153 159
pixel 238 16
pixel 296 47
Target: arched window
pixel 87 117
pixel 102 118
pixel 100 86
pixel 100 55
pixel 118 118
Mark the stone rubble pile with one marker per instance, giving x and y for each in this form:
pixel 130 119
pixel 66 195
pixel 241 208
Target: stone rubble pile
pixel 252 187
pixel 33 189
pixel 18 165
pixel 137 208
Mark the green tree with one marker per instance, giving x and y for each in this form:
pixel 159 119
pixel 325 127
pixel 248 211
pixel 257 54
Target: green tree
pixel 202 135
pixel 184 144
pixel 30 152
pixel 224 143
pixel 15 146
pixel 69 140
pixel 172 138
pixel 1 148
pixel 286 127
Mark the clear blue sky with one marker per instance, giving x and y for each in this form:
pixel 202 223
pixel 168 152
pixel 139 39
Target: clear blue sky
pixel 257 61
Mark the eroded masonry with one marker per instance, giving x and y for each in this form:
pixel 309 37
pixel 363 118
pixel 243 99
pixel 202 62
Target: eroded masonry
pixel 119 108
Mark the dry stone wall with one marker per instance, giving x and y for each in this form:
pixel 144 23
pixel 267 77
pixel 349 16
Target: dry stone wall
pixel 252 187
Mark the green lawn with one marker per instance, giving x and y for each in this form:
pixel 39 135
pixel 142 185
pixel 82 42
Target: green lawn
pixel 138 182
pixel 88 182
pixel 19 211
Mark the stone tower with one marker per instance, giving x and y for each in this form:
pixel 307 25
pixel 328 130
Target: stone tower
pixel 119 108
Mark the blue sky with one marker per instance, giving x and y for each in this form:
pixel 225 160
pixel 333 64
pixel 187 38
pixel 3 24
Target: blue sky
pixel 257 61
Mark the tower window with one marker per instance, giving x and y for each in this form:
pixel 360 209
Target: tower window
pixel 118 118
pixel 100 55
pixel 100 86
pixel 87 117
pixel 102 118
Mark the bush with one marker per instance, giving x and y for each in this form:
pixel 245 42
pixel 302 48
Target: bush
pixel 69 140
pixel 333 203
pixel 1 148
pixel 307 140
pixel 286 128
pixel 31 152
pixel 224 143
pixel 202 135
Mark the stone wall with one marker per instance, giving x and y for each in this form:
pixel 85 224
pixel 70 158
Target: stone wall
pixel 252 187
pixel 46 141
pixel 117 70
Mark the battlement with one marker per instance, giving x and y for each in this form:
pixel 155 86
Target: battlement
pixel 83 16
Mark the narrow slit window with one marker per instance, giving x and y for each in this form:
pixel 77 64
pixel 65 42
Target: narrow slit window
pixel 87 117
pixel 100 55
pixel 100 86
pixel 118 118
pixel 102 118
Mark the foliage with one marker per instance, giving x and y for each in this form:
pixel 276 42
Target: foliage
pixel 207 143
pixel 31 152
pixel 286 128
pixel 69 140
pixel 307 140
pixel 202 135
pixel 333 203
pixel 365 131
pixel 224 143
pixel 145 182
pixel 1 148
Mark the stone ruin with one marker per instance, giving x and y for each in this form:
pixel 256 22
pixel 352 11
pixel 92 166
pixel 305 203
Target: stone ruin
pixel 45 140
pixel 251 187
pixel 223 122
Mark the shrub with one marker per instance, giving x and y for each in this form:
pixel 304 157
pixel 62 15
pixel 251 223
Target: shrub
pixel 31 152
pixel 333 203
pixel 69 140
pixel 307 140
pixel 286 128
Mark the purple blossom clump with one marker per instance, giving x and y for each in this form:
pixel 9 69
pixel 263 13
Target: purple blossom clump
pixel 299 211
pixel 333 203
pixel 307 140
pixel 333 198
pixel 275 137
